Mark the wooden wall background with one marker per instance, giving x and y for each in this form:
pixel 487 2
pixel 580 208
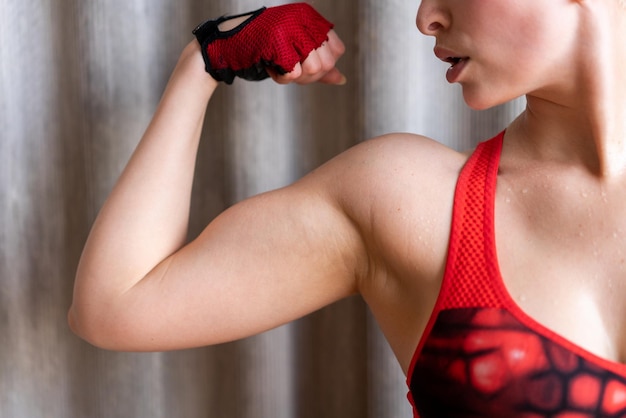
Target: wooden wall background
pixel 78 83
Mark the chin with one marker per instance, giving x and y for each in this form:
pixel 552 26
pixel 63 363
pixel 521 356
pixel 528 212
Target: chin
pixel 479 105
pixel 477 101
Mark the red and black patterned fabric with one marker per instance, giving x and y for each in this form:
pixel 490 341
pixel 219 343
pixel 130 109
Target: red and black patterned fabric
pixel 481 356
pixel 275 37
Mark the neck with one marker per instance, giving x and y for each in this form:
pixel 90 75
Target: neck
pixel 584 122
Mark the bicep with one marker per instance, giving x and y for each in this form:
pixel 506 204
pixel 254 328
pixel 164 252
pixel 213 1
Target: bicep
pixel 264 262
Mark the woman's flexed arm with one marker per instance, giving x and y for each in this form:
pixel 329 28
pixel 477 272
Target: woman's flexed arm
pixel 145 218
pixel 139 287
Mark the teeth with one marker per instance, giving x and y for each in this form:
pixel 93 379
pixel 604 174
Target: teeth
pixel 454 60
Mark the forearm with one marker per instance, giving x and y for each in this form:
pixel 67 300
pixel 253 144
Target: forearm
pixel 138 286
pixel 145 218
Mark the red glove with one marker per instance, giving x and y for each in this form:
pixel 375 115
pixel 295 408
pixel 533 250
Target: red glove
pixel 275 37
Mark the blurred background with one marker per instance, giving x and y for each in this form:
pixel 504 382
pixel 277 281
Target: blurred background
pixel 79 81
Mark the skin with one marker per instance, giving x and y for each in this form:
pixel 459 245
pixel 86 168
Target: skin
pixel 375 220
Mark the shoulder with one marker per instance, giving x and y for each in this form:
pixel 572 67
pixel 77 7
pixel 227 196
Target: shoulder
pixel 382 167
pixel 398 191
pixel 390 153
pixel 398 147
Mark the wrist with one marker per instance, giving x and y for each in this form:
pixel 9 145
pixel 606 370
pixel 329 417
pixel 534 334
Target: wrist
pixel 191 64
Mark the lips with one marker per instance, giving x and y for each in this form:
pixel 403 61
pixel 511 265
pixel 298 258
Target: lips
pixel 456 60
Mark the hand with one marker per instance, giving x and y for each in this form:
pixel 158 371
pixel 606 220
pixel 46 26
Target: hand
pixel 319 66
pixel 276 39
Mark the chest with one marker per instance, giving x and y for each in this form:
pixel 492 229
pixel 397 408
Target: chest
pixel 562 258
pixel 548 339
pixel 560 251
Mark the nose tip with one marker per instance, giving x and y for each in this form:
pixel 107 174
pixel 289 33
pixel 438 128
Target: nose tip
pixel 428 20
pixel 433 27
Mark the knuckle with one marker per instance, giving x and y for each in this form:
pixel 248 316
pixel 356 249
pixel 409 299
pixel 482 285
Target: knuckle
pixel 327 63
pixel 340 48
pixel 312 66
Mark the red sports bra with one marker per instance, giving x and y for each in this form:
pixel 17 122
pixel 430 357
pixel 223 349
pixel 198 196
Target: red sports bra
pixel 481 356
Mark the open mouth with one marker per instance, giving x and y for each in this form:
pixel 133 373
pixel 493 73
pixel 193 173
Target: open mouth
pixel 457 62
pixel 453 61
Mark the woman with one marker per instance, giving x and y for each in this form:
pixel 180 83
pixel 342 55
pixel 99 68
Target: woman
pixel 515 313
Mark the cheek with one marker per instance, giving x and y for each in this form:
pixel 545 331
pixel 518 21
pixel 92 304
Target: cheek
pixel 544 54
pixel 527 29
pixel 519 37
pixel 519 51
pixel 527 52
pixel 546 34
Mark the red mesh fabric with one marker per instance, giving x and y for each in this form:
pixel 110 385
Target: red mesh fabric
pixel 280 37
pixel 472 264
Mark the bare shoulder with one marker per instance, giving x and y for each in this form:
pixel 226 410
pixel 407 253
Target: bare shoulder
pixel 394 185
pixel 391 158
pixel 389 170
pixel 398 191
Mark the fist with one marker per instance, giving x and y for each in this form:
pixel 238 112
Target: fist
pixel 290 43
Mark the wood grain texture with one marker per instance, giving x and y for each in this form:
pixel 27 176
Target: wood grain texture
pixel 79 81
